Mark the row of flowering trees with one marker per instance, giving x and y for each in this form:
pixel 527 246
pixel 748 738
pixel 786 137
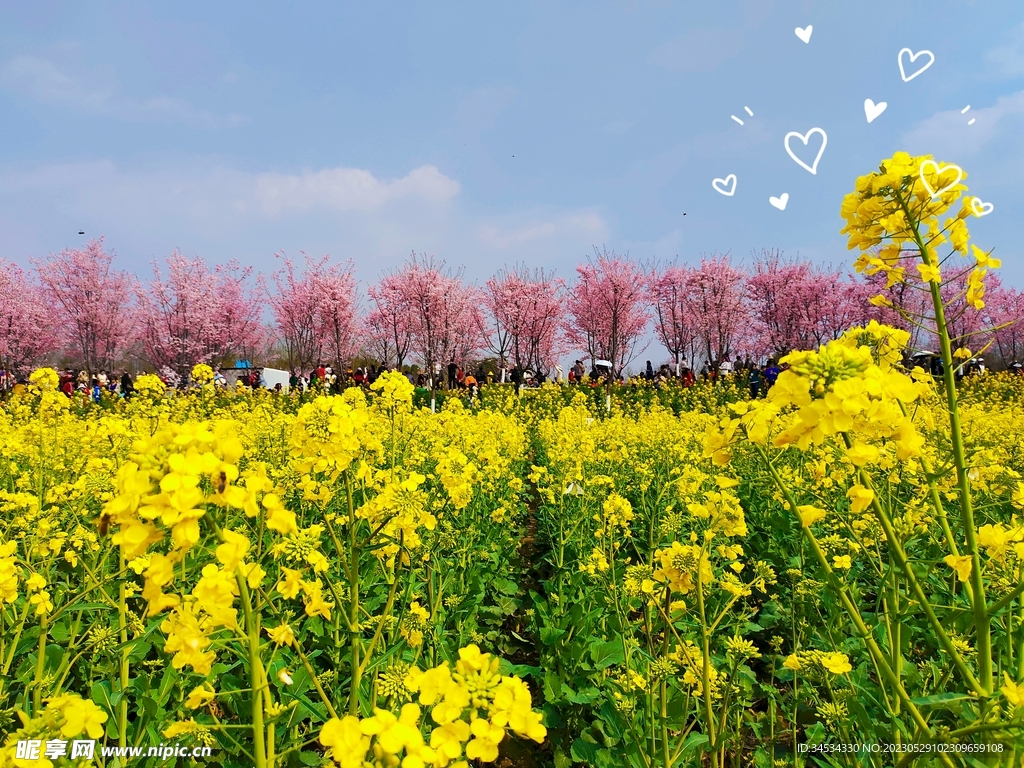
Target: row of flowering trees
pixel 76 302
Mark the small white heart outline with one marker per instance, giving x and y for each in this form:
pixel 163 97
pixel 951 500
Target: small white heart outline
pixel 913 57
pixel 805 33
pixel 730 179
pixel 939 170
pixel 985 208
pixel 780 202
pixel 872 110
pixel 804 138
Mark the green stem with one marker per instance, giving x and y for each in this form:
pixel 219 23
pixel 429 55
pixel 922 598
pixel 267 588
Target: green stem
pixel 933 495
pixel 982 623
pixel 849 605
pixel 122 623
pixel 706 662
pixel 257 674
pixel 16 638
pixel 353 601
pixel 37 686
pixel 380 624
pixel 896 550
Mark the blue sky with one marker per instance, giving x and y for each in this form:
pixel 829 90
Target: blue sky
pixel 488 133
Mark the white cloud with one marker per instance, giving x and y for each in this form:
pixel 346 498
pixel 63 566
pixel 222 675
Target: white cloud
pixel 348 189
pixel 204 206
pixel 584 227
pixel 948 136
pixel 44 81
pixel 219 197
pixel 1008 60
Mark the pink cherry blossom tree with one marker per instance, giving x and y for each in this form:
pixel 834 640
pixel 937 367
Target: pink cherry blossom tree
pixel 716 301
pixel 389 325
pixel 92 302
pixel 195 314
pixel 843 302
pixel 339 311
pixel 1006 312
pixel 316 312
pixel 799 305
pixel 26 329
pixel 776 292
pixel 607 309
pixel 674 325
pixel 447 318
pixel 525 314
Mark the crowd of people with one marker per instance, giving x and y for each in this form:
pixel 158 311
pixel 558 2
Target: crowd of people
pixel 80 382
pixel 759 378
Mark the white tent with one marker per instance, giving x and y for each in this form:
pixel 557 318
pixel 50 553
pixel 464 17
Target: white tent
pixel 272 377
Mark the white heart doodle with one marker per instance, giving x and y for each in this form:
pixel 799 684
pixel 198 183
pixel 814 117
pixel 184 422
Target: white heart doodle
pixel 980 208
pixel 780 202
pixel 728 180
pixel 805 33
pixel 938 172
pixel 913 57
pixel 804 137
pixel 872 110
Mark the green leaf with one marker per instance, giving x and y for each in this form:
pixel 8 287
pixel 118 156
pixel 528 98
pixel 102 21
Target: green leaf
pixel 310 758
pixel 552 686
pixel 523 670
pixel 166 683
pixel 586 696
pixel 815 734
pixel 942 700
pixel 507 605
pixel 506 586
pixel 612 721
pixel 606 653
pixel 150 707
pixel 54 656
pixel 100 694
pixel 694 741
pixel 585 751
pixel 551 635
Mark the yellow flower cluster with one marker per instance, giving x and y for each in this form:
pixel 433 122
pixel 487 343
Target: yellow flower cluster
pixel 169 479
pixel 329 433
pixel 202 374
pixel 896 211
pixel 833 662
pixel 472 707
pixel 68 716
pixel 150 386
pixel 400 510
pixel 10 573
pixel 681 565
pixel 846 387
pixel 884 203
